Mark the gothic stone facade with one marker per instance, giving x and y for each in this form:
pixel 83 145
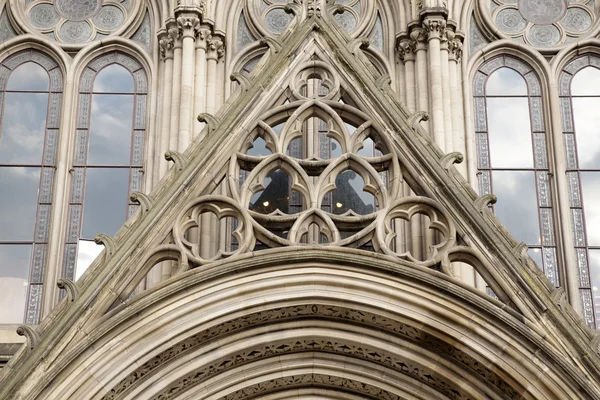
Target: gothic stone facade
pixel 305 199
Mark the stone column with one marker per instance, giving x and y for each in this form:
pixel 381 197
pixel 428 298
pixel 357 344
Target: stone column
pixel 175 84
pixel 166 54
pixel 209 239
pixel 406 52
pixel 215 50
pixel 458 132
pixel 188 24
pixel 446 100
pixel 434 29
pixel 422 79
pixel 200 78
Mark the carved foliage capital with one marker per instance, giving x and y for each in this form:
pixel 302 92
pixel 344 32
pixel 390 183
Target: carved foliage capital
pixel 434 28
pixel 166 44
pixel 188 25
pixel 455 47
pixel 406 50
pixel 215 48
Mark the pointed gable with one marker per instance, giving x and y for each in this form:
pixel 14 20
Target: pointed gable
pixel 343 226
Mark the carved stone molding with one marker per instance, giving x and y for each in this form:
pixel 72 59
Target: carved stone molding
pixel 279 315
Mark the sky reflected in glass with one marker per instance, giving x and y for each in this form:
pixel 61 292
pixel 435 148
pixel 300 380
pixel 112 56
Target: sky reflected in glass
pixel 509 133
pixel 29 76
pixel 590 188
pixel 114 79
pixel 586 114
pixel 517 204
pixel 505 81
pixel 586 82
pixel 111 129
pixel 106 193
pixel 87 251
pixel 18 202
pixel 14 275
pixel 23 128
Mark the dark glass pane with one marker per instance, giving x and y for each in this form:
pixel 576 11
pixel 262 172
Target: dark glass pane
pixel 111 124
pixel 349 195
pixel 587 129
pixel 106 192
pixel 87 251
pixel 23 128
pixel 29 76
pixel 259 148
pixel 114 78
pixel 506 81
pixel 590 188
pixel 14 275
pixel 586 82
pixel 275 196
pixel 18 202
pixel 517 204
pixel 510 133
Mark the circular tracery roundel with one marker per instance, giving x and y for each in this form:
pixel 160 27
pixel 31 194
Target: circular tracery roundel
pixel 77 10
pixel 542 23
pixel 75 22
pixel 272 17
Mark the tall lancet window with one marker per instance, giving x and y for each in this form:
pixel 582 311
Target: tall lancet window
pixel 30 100
pixel 512 155
pixel 579 90
pixel 108 162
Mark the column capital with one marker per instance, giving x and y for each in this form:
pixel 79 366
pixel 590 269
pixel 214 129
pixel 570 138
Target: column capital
pixel 434 28
pixel 188 25
pixel 188 18
pixel 406 48
pixel 418 37
pixel 455 47
pixel 166 44
pixel 215 48
pixel 202 37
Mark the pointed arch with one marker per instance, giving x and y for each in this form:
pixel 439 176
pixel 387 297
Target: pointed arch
pixel 112 113
pixel 31 98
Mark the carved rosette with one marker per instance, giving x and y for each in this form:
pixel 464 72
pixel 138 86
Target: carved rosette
pixel 543 24
pixel 73 22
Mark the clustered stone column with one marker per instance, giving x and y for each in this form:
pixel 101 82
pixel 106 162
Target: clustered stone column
pixel 192 82
pixel 431 53
pixel 191 53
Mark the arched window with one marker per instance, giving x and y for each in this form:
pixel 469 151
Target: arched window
pixel 30 100
pixel 579 90
pixel 108 161
pixel 512 155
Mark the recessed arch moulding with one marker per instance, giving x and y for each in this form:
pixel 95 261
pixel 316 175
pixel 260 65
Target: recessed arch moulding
pixel 331 320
